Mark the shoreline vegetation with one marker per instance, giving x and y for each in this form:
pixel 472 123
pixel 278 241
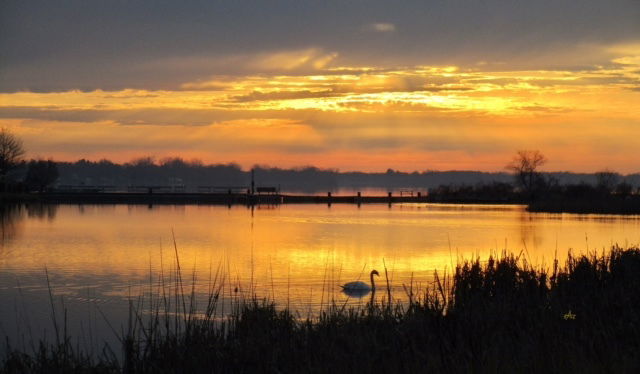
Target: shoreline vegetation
pixel 500 315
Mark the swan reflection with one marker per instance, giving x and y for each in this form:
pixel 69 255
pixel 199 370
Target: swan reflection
pixel 357 293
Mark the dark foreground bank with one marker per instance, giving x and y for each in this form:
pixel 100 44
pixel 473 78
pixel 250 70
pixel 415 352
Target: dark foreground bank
pixel 497 316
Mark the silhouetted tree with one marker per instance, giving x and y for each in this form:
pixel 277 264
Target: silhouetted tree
pixel 607 180
pixel 41 174
pixel 142 170
pixel 11 152
pixel 525 165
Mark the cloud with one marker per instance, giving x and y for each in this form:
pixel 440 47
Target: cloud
pixel 381 27
pixel 44 137
pixel 283 95
pixel 290 60
pixel 544 109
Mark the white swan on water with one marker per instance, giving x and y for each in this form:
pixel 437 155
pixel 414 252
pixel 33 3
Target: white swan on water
pixel 360 286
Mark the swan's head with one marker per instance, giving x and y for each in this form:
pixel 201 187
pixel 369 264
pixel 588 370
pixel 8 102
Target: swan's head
pixel 374 272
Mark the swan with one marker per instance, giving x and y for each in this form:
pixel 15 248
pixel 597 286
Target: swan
pixel 359 287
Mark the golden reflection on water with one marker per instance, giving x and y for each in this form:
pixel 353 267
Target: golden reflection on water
pixel 297 254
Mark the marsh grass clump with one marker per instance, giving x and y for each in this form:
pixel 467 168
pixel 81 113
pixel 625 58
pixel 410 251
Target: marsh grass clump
pixel 500 315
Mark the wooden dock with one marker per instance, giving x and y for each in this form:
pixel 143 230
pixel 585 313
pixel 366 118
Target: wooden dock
pixel 218 198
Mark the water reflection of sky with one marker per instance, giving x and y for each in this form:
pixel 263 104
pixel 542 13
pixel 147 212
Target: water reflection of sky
pixel 99 256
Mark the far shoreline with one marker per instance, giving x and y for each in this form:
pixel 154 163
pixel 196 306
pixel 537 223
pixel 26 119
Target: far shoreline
pixel 629 205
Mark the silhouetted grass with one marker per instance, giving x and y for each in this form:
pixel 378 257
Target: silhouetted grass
pixel 502 315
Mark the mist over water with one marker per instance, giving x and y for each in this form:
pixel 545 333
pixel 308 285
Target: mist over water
pixel 101 257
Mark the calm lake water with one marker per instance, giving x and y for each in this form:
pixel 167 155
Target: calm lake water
pixel 99 258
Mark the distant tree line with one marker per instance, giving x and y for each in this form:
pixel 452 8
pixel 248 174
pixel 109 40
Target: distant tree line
pixel 178 172
pixel 175 171
pixel 146 172
pixel 524 182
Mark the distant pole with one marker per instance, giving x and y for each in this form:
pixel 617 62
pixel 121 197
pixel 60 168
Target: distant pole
pixel 253 182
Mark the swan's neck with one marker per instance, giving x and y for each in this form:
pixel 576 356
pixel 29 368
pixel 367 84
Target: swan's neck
pixel 373 284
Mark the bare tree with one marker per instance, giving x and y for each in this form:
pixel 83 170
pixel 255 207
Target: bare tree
pixel 525 165
pixel 11 152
